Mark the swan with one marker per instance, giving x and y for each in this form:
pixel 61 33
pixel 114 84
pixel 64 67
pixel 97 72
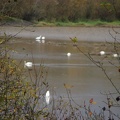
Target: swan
pixel 68 54
pixel 28 64
pixel 38 38
pixel 47 97
pixel 115 55
pixel 43 38
pixel 102 52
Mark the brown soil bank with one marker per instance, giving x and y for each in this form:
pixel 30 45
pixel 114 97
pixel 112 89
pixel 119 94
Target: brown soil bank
pixel 63 33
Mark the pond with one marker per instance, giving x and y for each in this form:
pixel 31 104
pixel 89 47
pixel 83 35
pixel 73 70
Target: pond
pixel 77 72
pixel 81 75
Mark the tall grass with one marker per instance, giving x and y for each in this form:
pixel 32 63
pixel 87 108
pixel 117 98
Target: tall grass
pixel 86 23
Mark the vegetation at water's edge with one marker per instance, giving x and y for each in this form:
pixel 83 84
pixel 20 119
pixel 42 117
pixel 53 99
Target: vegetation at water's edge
pixel 62 13
pixel 87 23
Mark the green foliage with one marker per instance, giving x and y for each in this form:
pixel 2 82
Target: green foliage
pixel 20 95
pixel 59 10
pixel 86 23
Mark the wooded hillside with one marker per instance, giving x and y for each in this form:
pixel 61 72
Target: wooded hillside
pixel 61 10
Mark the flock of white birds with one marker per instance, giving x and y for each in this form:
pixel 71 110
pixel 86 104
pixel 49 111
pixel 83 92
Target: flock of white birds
pixel 103 53
pixel 41 39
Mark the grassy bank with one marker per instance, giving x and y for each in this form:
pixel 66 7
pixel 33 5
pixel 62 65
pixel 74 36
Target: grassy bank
pixel 85 23
pixel 88 23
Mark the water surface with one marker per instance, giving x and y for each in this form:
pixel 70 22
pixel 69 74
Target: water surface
pixel 86 80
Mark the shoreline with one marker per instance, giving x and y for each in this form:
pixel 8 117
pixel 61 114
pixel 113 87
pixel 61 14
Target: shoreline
pixel 93 34
pixel 36 25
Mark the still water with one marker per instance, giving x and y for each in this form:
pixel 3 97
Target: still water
pixel 86 81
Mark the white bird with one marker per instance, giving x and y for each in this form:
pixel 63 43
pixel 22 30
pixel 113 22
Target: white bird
pixel 115 55
pixel 47 97
pixel 38 38
pixel 102 52
pixel 43 38
pixel 68 54
pixel 28 64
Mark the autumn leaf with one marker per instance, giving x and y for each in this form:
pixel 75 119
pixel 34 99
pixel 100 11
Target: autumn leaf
pixel 74 39
pixel 1 41
pixel 90 113
pixel 110 103
pixel 103 108
pixel 94 102
pixel 91 101
pixel 118 98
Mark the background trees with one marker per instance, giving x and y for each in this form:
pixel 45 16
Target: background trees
pixel 59 10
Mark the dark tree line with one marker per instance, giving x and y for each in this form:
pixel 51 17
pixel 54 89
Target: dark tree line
pixel 61 10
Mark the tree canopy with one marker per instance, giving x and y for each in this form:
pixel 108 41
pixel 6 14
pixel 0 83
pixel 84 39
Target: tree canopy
pixel 61 10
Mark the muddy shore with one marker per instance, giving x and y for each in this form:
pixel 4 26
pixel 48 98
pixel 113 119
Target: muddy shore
pixel 95 34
